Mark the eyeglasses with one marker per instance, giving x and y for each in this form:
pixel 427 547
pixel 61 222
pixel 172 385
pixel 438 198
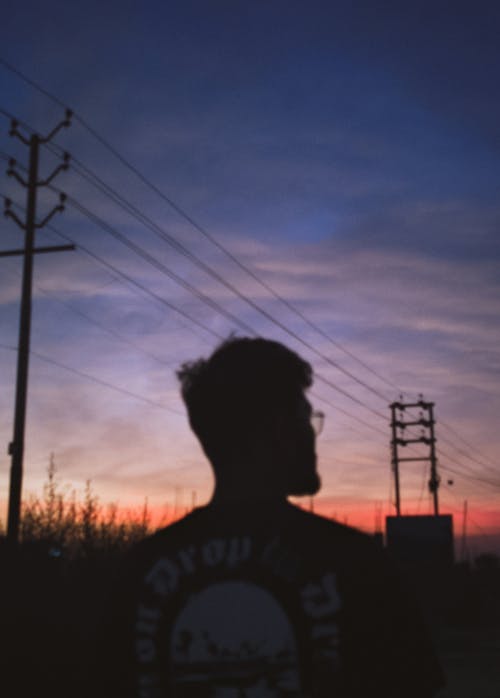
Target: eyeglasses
pixel 317 421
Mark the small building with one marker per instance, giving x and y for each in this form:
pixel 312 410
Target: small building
pixel 420 539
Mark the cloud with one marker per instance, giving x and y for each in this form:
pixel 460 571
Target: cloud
pixel 346 177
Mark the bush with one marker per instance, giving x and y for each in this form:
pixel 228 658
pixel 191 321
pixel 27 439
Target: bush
pixel 74 527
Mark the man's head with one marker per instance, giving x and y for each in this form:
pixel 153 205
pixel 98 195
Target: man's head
pixel 247 406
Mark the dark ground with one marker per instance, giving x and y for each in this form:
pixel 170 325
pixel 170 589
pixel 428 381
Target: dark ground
pixel 50 608
pixel 462 605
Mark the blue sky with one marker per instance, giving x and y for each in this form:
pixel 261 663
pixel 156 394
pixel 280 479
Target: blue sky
pixel 347 153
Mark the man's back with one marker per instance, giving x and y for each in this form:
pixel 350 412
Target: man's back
pixel 259 598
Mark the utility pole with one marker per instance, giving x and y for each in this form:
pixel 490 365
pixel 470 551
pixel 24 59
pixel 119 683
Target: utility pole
pixel 30 225
pixel 427 437
pixel 464 532
pixel 395 459
pixel 378 517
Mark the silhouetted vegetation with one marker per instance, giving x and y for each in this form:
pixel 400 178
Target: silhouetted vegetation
pixel 55 585
pixel 73 526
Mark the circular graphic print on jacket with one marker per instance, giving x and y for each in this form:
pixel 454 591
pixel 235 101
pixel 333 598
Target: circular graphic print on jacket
pixel 233 640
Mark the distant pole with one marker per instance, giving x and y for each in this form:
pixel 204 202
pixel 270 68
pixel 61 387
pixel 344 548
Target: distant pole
pixel 16 447
pixel 176 503
pixel 434 479
pixel 464 532
pixel 378 517
pixel 395 459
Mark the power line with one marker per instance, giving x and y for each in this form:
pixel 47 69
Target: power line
pixel 109 191
pixel 485 484
pixel 180 248
pixel 132 281
pixel 479 478
pixel 100 325
pixel 97 380
pixel 213 304
pixel 138 250
pixel 117 271
pixel 102 186
pixel 495 470
pixel 463 453
pixel 149 258
pixel 346 413
pixel 204 232
pixel 364 423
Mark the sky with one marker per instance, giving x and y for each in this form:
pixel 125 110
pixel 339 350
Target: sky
pixel 346 154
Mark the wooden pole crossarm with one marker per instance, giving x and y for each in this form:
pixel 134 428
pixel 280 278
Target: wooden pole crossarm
pixel 39 250
pixel 49 216
pixel 11 172
pixel 8 213
pixel 63 124
pixel 59 168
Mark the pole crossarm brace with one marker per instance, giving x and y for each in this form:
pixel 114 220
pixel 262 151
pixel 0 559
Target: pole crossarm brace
pixel 30 226
pixel 59 168
pixel 421 440
pixel 56 209
pixel 11 172
pixel 408 460
pixel 418 422
pixel 9 213
pixel 38 250
pixel 408 405
pixel 65 123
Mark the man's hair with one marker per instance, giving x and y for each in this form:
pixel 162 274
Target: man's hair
pixel 231 396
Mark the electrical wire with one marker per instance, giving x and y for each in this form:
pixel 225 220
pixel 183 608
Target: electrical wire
pixel 493 470
pixel 153 261
pixel 131 280
pixel 181 249
pixel 102 186
pixel 97 380
pixel 188 218
pixel 201 296
pixel 117 271
pixel 100 325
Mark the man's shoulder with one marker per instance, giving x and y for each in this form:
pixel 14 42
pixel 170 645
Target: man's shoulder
pixel 294 519
pixel 182 529
pixel 329 526
pixel 313 538
pixel 333 532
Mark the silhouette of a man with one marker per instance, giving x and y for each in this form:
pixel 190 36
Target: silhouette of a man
pixel 249 595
